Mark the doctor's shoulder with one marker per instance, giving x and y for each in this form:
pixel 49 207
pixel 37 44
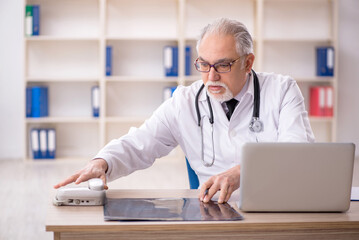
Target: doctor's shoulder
pixel 275 82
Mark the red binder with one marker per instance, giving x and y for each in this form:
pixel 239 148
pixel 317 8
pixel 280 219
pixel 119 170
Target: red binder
pixel 329 99
pixel 317 101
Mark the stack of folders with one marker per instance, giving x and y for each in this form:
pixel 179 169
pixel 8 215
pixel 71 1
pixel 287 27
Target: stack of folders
pixel 43 143
pixel 170 61
pixel 37 101
pixel 32 20
pixel 95 101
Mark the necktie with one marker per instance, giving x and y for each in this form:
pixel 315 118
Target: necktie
pixel 231 105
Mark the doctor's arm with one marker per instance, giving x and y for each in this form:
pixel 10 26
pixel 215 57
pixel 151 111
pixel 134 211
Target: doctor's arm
pixel 136 150
pixel 226 182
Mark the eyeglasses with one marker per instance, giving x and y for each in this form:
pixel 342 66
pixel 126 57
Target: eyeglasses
pixel 221 67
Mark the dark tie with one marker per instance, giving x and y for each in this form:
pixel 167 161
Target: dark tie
pixel 231 105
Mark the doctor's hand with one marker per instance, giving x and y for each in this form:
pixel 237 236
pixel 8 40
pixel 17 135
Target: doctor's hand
pixel 95 169
pixel 226 182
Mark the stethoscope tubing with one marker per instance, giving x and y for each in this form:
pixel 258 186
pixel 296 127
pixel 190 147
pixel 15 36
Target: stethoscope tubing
pixel 255 125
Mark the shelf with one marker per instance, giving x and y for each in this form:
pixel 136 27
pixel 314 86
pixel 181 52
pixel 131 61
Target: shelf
pixel 61 160
pixel 139 38
pixel 62 59
pixel 60 38
pixel 62 120
pixel 54 79
pixel 141 19
pixel 141 79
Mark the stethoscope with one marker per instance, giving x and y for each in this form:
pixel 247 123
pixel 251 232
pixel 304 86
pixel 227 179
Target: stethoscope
pixel 255 125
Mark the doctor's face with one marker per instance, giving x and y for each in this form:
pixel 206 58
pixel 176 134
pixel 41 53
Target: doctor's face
pixel 215 49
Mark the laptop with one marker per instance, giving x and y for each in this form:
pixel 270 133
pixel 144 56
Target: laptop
pixel 296 177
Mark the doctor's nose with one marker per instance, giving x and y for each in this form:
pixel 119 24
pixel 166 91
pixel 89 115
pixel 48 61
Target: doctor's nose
pixel 213 75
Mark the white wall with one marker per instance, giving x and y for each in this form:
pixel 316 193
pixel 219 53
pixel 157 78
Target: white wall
pixel 11 76
pixel 11 79
pixel 348 110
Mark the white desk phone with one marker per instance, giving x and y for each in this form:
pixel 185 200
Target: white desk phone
pixel 93 195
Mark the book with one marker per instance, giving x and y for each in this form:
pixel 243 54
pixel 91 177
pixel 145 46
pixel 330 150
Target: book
pixel 36 20
pixel 28 20
pixel 325 61
pixel 108 60
pixel 38 102
pixel 95 101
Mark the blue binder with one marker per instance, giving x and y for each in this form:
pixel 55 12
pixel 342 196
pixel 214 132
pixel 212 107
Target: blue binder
pixel 39 101
pixel 95 101
pixel 35 143
pixel 188 62
pixel 108 61
pixel 36 20
pixel 325 61
pixel 51 143
pixel 170 61
pixel 43 142
pixel 28 101
pixel 36 101
pixel 44 102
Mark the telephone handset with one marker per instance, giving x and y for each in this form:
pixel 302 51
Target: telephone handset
pixel 92 195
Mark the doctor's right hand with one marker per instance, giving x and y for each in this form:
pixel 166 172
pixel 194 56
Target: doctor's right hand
pixel 95 169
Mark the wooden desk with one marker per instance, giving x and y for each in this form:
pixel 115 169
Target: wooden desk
pixel 88 223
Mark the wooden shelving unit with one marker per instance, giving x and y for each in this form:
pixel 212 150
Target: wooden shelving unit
pixel 69 58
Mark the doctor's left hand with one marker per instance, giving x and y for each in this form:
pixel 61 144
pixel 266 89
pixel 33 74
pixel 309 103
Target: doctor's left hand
pixel 226 182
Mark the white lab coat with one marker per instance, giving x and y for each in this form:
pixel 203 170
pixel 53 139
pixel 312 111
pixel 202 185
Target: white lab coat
pixel 282 112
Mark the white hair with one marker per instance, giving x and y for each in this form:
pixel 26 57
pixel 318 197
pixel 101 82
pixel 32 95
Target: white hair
pixel 225 26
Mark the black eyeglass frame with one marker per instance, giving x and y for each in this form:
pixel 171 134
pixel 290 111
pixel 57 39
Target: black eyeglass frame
pixel 214 65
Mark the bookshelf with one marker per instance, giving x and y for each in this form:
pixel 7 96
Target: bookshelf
pixel 69 57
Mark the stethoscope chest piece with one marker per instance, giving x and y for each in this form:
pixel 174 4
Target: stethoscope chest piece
pixel 256 125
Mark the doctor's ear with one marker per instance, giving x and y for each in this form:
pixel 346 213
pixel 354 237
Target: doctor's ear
pixel 248 62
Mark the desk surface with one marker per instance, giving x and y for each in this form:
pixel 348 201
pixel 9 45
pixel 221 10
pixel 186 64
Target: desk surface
pixel 71 220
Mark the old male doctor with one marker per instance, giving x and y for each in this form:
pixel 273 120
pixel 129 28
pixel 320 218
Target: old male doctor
pixel 225 60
